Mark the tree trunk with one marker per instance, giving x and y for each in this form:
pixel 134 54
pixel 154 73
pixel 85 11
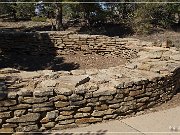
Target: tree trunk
pixel 59 24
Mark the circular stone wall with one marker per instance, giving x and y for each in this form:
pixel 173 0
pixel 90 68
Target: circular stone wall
pixel 47 100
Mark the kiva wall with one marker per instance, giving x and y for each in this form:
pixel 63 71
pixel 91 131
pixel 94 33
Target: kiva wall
pixel 54 108
pixel 44 43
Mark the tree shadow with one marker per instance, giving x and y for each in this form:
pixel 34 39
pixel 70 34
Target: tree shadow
pixel 31 52
pixel 108 29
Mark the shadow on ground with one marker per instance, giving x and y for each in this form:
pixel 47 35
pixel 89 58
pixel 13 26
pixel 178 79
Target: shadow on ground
pixel 31 52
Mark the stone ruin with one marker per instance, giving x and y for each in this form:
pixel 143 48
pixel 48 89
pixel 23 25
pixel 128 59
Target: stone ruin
pixel 47 100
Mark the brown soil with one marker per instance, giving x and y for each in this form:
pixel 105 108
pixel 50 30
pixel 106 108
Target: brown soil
pixel 93 60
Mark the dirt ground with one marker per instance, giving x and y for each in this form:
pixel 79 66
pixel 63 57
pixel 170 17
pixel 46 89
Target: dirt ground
pixel 93 60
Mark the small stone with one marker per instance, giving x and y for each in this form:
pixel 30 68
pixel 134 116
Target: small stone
pixel 61 117
pixel 19 113
pixel 27 128
pixel 25 92
pixel 78 103
pixel 43 92
pixel 30 117
pixel 5 115
pixel 42 109
pixel 75 97
pixel 8 103
pixel 58 98
pixel 136 92
pixel 48 83
pixel 33 100
pixel 88 120
pixel 104 98
pixel 44 120
pixel 119 96
pixel 12 95
pixel 103 91
pixel 85 109
pixel 81 115
pixel 8 130
pixel 78 72
pixel 9 125
pixel 114 106
pixel 20 106
pixel 65 122
pixel 122 109
pixel 3 109
pixel 66 113
pixel 101 107
pixel 52 114
pixel 144 99
pixel 110 116
pixel 61 104
pixel 97 113
pixel 49 125
pixel 63 91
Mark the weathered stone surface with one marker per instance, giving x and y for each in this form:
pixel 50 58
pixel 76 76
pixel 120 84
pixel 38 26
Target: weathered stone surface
pixel 6 115
pixel 98 113
pixel 101 107
pixel 9 125
pixel 75 80
pixel 3 109
pixel 110 116
pixel 58 98
pixel 19 113
pixel 61 117
pixel 122 109
pixel 49 125
pixel 81 115
pixel 135 93
pixel 61 104
pixel 25 92
pixel 88 120
pixel 114 106
pixel 30 117
pixel 32 100
pixel 78 103
pixel 12 95
pixel 78 72
pixel 8 103
pixel 85 109
pixel 8 130
pixel 104 91
pixel 119 96
pixel 75 97
pixel 65 122
pixel 52 114
pixel 48 83
pixel 63 91
pixel 42 109
pixel 144 99
pixel 43 92
pixel 66 113
pixel 27 128
pixel 104 98
pixel 20 106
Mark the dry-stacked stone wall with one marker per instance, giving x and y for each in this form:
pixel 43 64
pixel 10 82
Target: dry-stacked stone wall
pixel 55 108
pixel 54 100
pixel 44 43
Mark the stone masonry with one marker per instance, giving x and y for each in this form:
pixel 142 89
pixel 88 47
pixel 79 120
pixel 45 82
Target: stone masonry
pixel 46 100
